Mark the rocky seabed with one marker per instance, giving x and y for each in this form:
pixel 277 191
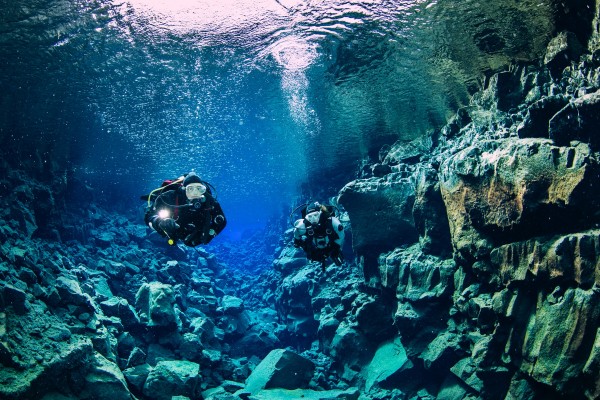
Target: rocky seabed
pixel 476 274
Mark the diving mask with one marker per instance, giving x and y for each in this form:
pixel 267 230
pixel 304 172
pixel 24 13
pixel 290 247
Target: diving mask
pixel 195 190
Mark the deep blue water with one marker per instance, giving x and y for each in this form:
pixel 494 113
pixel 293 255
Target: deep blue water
pixel 270 101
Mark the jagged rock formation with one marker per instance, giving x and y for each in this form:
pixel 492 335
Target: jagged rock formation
pixel 479 249
pixel 101 313
pixel 510 312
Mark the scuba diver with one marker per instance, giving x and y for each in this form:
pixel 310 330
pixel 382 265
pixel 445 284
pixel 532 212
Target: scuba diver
pixel 185 209
pixel 319 233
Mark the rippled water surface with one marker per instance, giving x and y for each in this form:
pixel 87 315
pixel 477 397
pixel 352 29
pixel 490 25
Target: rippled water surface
pixel 258 96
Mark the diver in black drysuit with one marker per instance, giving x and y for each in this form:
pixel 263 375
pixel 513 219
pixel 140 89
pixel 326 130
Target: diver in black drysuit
pixel 320 234
pixel 188 213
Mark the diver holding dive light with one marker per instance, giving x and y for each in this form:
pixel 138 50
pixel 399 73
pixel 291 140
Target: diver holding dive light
pixel 185 209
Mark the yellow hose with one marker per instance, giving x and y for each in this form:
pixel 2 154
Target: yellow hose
pixel 163 187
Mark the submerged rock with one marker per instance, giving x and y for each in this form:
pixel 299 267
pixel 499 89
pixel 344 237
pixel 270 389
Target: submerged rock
pixel 105 381
pixel 496 192
pixel 381 213
pixel 155 304
pixel 546 354
pixel 568 259
pixel 387 365
pixel 537 121
pixel 53 371
pixel 280 369
pixel 172 378
pixel 578 121
pixel 307 394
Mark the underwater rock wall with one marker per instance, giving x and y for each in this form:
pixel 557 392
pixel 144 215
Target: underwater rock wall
pixel 478 249
pixel 512 186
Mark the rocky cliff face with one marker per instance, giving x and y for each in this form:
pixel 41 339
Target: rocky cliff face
pixel 480 247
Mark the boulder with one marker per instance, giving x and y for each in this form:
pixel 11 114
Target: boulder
pixel 591 370
pixel 104 239
pixel 453 388
pixel 258 341
pixel 136 357
pixel 381 211
pixel 328 325
pixel 406 153
pixel 155 304
pixel 101 287
pixel 136 376
pixel 505 90
pixel 159 352
pixel 170 271
pixel 466 371
pixel 290 259
pixel 191 347
pixel 27 224
pixel 136 233
pixel 70 293
pixel 114 269
pixel 374 318
pixel 172 378
pixel 120 308
pixel 125 344
pixel 429 213
pixel 232 305
pixel 104 381
pixel 234 326
pixel 206 303
pixel 444 351
pixel 388 364
pixel 281 369
pixel 416 276
pixel 59 366
pixel 537 120
pixel 520 389
pixel 350 346
pixel 204 327
pixel 16 298
pixel 212 357
pixel 294 303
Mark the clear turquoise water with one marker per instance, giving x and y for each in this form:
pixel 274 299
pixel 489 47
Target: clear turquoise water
pixel 265 99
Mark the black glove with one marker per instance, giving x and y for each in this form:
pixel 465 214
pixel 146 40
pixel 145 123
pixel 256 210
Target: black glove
pixel 298 243
pixel 337 256
pixel 193 239
pixel 168 225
